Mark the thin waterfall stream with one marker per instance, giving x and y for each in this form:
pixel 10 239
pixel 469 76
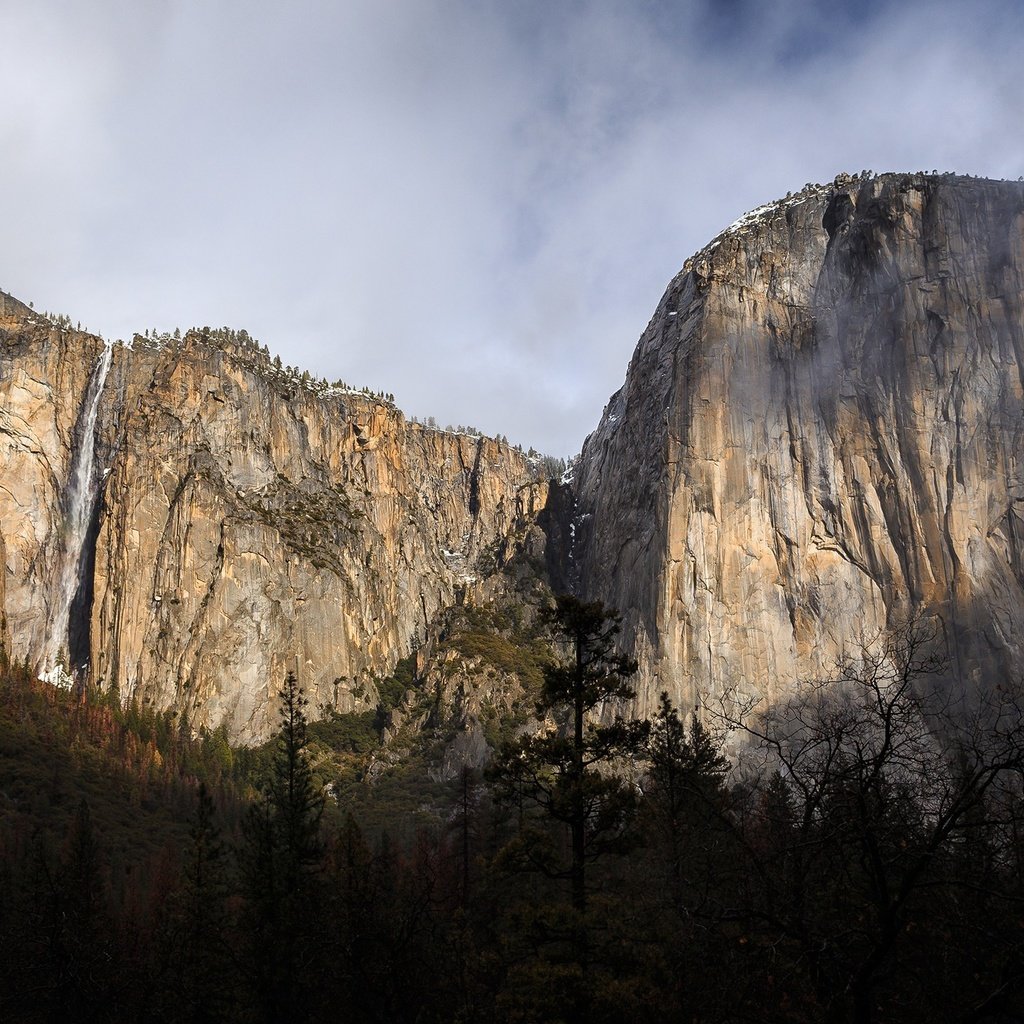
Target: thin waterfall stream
pixel 82 493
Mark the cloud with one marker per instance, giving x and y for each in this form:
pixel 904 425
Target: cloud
pixel 473 205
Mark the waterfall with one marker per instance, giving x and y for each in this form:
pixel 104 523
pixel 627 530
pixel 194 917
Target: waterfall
pixel 82 493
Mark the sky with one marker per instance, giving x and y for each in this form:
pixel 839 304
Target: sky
pixel 474 205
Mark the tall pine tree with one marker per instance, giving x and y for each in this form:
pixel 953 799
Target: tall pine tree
pixel 281 861
pixel 567 772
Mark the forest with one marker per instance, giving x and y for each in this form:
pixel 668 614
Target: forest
pixel 853 853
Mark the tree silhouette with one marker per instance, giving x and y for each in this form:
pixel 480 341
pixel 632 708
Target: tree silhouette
pixel 200 921
pixel 563 771
pixel 685 800
pixel 874 796
pixel 281 861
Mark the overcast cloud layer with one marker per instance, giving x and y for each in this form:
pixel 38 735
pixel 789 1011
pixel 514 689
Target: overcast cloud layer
pixel 473 205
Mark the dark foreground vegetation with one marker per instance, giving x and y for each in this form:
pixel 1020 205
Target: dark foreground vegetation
pixel 861 862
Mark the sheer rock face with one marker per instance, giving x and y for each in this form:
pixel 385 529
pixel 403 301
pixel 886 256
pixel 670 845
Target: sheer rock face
pixel 248 524
pixel 44 374
pixel 820 432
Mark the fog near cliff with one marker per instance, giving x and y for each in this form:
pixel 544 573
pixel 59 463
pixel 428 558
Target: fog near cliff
pixel 473 205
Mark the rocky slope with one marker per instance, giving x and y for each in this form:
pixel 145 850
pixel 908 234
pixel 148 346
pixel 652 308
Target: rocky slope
pixel 249 521
pixel 820 431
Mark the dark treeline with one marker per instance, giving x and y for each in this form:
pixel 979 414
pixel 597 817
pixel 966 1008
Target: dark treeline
pixel 859 859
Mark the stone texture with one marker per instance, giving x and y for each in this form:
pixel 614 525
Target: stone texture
pixel 820 430
pixel 44 372
pixel 251 522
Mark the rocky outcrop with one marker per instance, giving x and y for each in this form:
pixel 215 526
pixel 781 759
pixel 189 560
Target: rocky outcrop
pixel 251 521
pixel 820 430
pixel 262 527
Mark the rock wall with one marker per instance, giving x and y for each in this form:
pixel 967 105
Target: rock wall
pixel 44 373
pixel 820 430
pixel 254 527
pixel 251 521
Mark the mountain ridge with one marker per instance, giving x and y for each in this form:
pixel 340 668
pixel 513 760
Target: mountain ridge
pixel 787 466
pixel 234 499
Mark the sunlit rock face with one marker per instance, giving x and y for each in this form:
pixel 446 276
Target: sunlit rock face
pixel 249 522
pixel 820 431
pixel 44 377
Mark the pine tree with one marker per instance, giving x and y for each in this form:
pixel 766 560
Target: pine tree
pixel 80 940
pixel 298 804
pixel 567 776
pixel 685 797
pixel 564 771
pixel 200 920
pixel 281 862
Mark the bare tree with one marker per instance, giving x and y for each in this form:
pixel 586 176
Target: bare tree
pixel 863 793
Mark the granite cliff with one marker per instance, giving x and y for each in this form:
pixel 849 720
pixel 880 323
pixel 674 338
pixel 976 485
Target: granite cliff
pixel 820 433
pixel 244 521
